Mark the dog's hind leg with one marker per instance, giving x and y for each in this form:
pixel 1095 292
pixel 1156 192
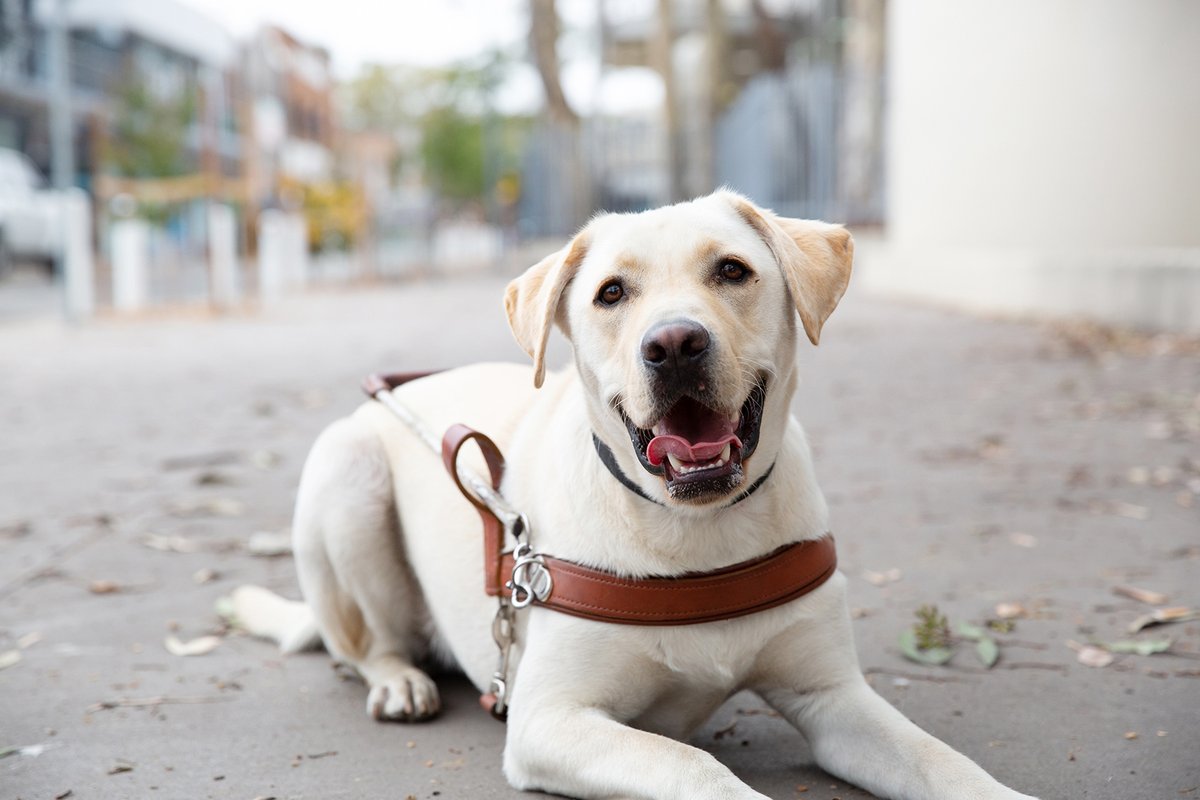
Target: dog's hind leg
pixel 350 561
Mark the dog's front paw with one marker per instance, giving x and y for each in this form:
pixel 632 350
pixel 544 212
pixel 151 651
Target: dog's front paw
pixel 408 695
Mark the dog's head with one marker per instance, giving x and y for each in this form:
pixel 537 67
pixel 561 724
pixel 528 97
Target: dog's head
pixel 683 322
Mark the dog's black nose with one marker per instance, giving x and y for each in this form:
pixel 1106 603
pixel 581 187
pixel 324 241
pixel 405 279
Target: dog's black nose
pixel 674 345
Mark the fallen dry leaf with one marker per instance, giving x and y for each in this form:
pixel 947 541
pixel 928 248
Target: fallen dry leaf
pixel 314 399
pixel 104 587
pixel 1023 539
pixel 15 530
pixel 1146 596
pixel 1164 475
pixel 1090 655
pixel 152 702
pixel 209 507
pixel 326 754
pixel 1131 735
pixel 213 478
pixel 198 460
pixel 1130 510
pixel 170 544
pixel 205 575
pixel 264 459
pixel 268 544
pixel 1164 616
pixel 8 658
pixel 882 578
pixel 728 730
pixel 1010 610
pixel 1138 476
pixel 195 647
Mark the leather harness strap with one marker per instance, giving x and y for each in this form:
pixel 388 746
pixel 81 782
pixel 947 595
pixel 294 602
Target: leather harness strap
pixel 746 588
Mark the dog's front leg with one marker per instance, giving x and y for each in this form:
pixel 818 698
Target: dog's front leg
pixel 585 753
pixel 577 684
pixel 810 674
pixel 857 735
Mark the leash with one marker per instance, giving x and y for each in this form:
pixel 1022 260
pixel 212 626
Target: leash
pixel 522 577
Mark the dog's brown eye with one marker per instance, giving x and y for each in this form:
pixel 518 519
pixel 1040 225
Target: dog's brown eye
pixel 733 271
pixel 611 293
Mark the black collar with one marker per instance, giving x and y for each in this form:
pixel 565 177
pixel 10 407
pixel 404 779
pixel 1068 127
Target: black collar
pixel 609 460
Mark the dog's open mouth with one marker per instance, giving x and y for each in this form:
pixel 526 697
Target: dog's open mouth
pixel 698 450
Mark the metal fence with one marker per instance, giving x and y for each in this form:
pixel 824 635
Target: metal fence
pixel 785 143
pixel 805 143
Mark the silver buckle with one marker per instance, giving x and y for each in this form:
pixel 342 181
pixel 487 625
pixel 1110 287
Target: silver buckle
pixel 530 579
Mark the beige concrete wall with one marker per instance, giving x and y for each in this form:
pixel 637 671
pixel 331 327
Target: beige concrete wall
pixel 1028 134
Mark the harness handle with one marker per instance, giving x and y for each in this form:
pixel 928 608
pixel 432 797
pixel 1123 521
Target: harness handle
pixel 452 441
pixel 493 530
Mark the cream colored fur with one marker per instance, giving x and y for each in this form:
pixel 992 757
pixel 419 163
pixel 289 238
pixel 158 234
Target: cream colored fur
pixel 390 558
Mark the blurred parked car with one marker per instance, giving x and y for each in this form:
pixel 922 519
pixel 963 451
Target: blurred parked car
pixel 28 213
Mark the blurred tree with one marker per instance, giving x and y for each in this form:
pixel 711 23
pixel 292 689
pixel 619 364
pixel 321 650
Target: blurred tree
pixel 452 153
pixel 376 99
pixel 148 137
pixel 772 44
pixel 544 28
pixel 442 117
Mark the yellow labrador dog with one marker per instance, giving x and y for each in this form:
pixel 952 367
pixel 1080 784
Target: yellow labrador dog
pixel 684 326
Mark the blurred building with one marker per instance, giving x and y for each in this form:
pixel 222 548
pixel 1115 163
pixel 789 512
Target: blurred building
pixel 290 95
pixel 162 45
pixel 1043 158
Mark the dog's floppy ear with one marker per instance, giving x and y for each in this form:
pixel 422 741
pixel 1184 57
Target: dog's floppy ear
pixel 815 257
pixel 532 300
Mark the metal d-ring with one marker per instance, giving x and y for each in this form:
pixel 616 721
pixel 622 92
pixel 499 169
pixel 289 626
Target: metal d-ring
pixel 530 579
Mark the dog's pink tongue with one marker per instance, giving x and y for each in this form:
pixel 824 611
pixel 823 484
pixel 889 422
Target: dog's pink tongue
pixel 681 448
pixel 691 431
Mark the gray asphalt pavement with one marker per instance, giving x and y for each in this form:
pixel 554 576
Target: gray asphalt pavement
pixel 968 462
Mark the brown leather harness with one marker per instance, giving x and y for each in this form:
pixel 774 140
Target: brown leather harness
pixel 746 588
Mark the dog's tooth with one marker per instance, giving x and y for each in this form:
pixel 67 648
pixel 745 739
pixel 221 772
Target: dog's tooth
pixel 724 454
pixel 676 464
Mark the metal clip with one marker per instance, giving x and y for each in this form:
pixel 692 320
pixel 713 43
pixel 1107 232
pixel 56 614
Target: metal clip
pixel 530 579
pixel 502 632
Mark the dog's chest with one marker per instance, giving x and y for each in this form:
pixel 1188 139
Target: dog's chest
pixel 712 656
pixel 699 668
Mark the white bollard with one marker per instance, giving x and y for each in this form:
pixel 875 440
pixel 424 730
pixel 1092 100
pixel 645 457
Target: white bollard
pixel 130 264
pixel 78 266
pixel 222 254
pixel 272 255
pixel 297 259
